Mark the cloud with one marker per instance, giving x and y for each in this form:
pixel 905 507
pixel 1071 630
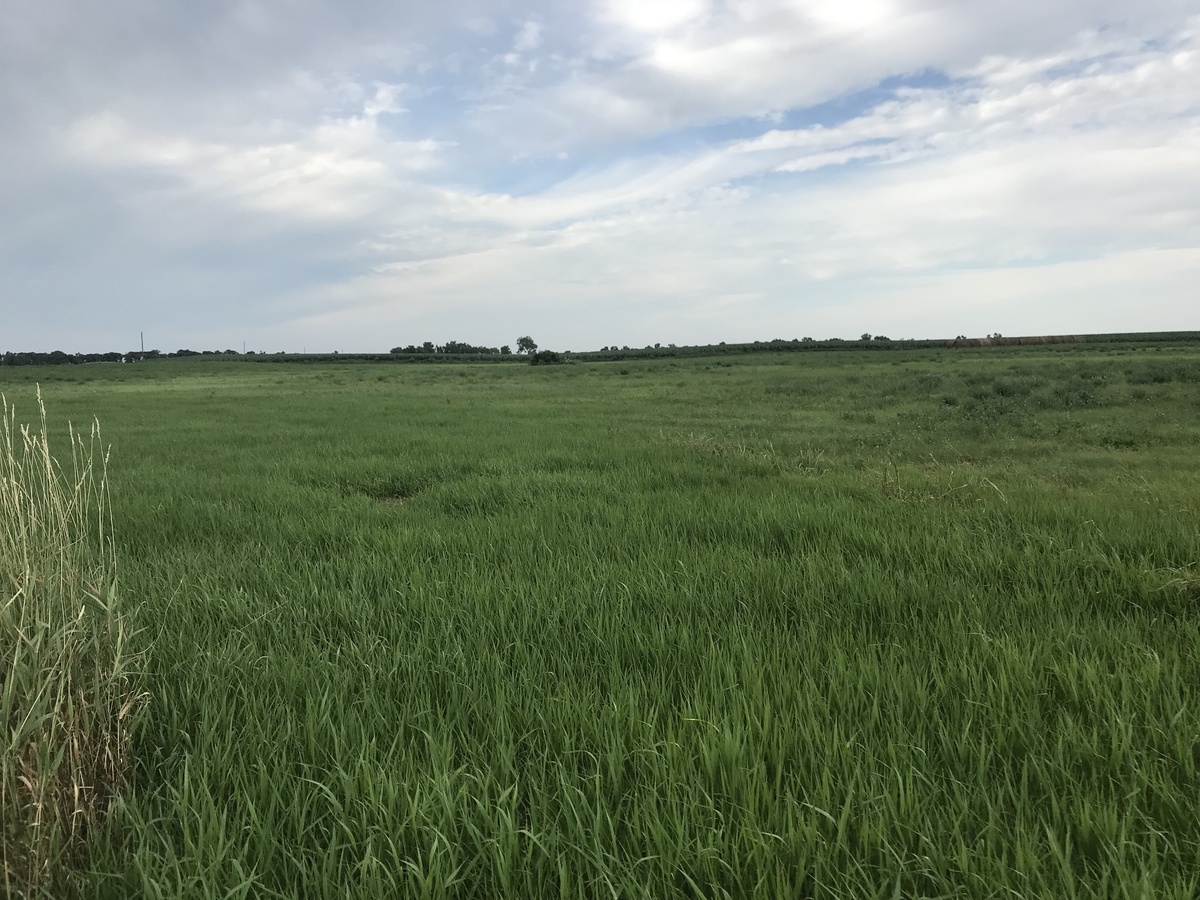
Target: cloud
pixel 308 171
pixel 667 65
pixel 1020 184
pixel 528 38
pixel 341 170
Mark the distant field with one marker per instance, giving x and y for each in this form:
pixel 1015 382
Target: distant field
pixel 905 624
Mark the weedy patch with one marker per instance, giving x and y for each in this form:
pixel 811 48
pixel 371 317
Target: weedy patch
pixel 951 485
pixel 393 488
pixel 1179 593
pixel 66 701
pixel 807 461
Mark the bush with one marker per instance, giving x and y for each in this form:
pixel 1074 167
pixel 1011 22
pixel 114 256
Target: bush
pixel 545 358
pixel 1164 373
pixel 1016 386
pixel 65 697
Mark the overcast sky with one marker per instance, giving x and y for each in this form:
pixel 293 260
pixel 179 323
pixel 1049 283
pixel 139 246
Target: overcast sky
pixel 358 174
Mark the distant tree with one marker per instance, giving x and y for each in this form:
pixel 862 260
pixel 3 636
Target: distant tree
pixel 865 336
pixel 461 347
pixel 807 340
pixel 526 344
pixel 882 337
pixel 506 350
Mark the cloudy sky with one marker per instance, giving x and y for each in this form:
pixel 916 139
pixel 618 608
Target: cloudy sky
pixel 357 174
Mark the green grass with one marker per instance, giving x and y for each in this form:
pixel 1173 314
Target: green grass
pixel 916 624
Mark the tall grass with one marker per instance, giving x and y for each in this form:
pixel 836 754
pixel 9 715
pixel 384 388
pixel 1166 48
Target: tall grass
pixel 780 627
pixel 65 701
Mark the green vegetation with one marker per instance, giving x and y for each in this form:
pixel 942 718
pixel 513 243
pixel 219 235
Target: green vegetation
pixel 921 623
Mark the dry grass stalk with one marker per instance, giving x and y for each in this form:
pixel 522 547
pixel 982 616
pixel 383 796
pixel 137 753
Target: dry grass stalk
pixel 65 698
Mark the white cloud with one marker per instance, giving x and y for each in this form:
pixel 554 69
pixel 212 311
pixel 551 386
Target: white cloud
pixel 340 170
pixel 851 16
pixel 659 16
pixel 656 66
pixel 528 38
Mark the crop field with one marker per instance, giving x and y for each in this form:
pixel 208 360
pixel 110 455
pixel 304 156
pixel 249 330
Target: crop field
pixel 800 625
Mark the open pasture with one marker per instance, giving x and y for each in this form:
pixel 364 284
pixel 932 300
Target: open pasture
pixel 903 624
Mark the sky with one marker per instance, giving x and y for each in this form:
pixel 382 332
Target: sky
pixel 356 175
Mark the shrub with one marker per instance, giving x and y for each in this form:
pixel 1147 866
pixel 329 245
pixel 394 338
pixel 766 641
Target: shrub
pixel 65 697
pixel 1016 386
pixel 1163 373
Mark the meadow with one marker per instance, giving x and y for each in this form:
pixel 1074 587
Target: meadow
pixel 824 625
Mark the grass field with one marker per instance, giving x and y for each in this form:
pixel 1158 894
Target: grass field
pixel 905 624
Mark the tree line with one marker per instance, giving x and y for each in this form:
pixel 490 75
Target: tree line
pixel 525 344
pixel 59 358
pixel 455 347
pixel 527 349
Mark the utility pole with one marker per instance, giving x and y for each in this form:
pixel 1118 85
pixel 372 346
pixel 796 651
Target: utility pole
pixel 142 335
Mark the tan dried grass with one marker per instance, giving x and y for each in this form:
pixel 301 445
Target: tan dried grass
pixel 66 701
